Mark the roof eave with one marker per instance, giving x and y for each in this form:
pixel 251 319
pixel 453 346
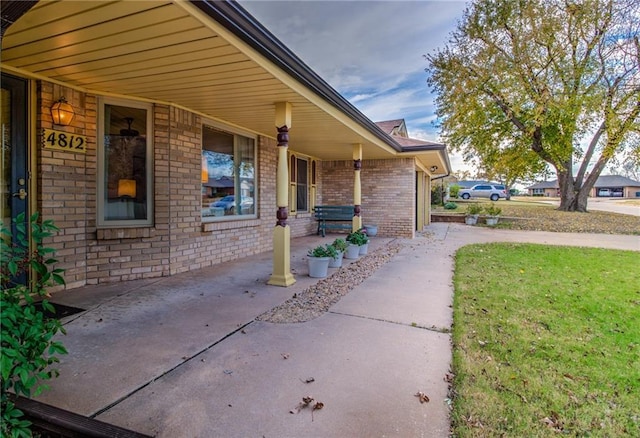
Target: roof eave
pixel 238 21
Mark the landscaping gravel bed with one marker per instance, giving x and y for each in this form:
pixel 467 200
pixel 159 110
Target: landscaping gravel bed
pixel 316 299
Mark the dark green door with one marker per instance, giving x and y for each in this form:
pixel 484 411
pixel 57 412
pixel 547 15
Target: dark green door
pixel 13 124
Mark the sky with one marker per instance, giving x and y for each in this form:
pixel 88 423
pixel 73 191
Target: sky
pixel 371 52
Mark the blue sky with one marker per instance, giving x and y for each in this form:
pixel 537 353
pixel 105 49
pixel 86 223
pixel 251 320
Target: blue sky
pixel 371 52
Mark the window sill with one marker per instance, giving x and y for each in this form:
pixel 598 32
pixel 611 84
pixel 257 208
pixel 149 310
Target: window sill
pixel 124 233
pixel 230 225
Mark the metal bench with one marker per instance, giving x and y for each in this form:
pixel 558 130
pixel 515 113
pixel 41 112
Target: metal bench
pixel 339 217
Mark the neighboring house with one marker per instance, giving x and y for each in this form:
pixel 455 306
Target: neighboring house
pixel 174 102
pixel 615 186
pixel 544 188
pixel 606 186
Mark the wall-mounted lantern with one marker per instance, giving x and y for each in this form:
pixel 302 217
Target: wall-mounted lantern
pixel 62 112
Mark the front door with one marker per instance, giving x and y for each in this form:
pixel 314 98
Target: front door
pixel 14 172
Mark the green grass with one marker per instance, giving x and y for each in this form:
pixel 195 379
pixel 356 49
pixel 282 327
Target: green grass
pixel 546 342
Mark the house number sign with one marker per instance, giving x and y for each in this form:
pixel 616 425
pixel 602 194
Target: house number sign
pixel 64 141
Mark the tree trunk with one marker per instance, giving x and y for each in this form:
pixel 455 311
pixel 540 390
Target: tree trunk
pixel 572 198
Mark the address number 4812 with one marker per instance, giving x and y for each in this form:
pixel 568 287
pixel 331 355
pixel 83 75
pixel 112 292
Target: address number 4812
pixel 65 141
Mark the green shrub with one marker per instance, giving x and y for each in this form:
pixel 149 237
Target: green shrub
pixel 474 209
pixel 453 190
pixel 450 206
pixel 323 251
pixel 493 210
pixel 28 348
pixel 357 238
pixel 340 244
pixel 436 195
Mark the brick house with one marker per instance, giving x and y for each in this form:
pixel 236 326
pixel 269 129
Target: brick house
pixel 606 186
pixel 196 138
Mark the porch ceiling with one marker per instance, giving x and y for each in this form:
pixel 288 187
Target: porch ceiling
pixel 175 52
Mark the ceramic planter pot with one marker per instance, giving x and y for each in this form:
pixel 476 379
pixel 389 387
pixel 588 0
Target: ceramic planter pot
pixel 337 262
pixel 492 220
pixel 372 230
pixel 363 249
pixel 318 266
pixel 353 251
pixel 471 219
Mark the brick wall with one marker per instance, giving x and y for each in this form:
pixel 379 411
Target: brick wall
pixel 383 202
pixel 178 241
pixel 65 181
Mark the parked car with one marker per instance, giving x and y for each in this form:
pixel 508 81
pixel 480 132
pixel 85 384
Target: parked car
pixel 605 192
pixel 229 202
pixel 491 191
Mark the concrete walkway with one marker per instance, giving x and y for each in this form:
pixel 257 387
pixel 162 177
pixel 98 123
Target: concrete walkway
pixel 184 356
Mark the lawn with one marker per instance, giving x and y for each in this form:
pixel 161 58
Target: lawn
pixel 546 342
pixel 537 216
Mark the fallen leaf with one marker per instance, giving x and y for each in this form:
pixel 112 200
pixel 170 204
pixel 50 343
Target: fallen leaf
pixel 316 407
pixel 285 355
pixel 422 397
pixel 308 380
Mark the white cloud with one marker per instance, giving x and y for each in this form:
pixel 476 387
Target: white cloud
pixel 369 51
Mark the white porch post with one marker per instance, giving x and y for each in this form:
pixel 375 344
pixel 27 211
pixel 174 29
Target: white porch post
pixel 357 187
pixel 281 274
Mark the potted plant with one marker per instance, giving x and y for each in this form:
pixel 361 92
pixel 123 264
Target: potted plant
pixel 472 213
pixel 360 239
pixel 371 230
pixel 318 259
pixel 341 246
pixel 493 213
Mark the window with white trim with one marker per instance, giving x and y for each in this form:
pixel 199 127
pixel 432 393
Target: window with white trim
pixel 302 184
pixel 125 183
pixel 228 174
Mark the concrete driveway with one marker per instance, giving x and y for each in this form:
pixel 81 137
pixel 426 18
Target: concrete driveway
pixel 611 205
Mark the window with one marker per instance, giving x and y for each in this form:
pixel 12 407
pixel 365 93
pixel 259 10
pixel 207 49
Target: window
pixel 302 186
pixel 228 174
pixel 124 164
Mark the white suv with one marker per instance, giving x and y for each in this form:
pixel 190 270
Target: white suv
pixel 491 191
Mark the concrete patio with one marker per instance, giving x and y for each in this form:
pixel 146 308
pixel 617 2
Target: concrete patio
pixel 184 356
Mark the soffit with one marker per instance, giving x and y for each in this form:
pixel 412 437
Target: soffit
pixel 171 52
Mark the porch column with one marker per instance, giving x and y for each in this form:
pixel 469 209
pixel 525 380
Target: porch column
pixel 421 206
pixel 281 274
pixel 356 224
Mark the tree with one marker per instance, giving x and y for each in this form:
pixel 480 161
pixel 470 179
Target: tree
pixel 559 79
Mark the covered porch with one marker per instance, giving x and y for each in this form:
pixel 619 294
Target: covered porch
pixel 193 63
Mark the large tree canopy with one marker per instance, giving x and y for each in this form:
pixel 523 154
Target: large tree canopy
pixel 555 81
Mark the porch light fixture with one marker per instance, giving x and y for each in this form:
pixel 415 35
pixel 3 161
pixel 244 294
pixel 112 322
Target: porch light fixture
pixel 126 188
pixel 433 168
pixel 62 112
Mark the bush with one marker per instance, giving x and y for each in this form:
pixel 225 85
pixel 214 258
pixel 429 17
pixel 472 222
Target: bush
pixel 28 348
pixel 473 209
pixel 340 244
pixel 453 190
pixel 357 238
pixel 436 195
pixel 323 251
pixel 450 206
pixel 493 210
